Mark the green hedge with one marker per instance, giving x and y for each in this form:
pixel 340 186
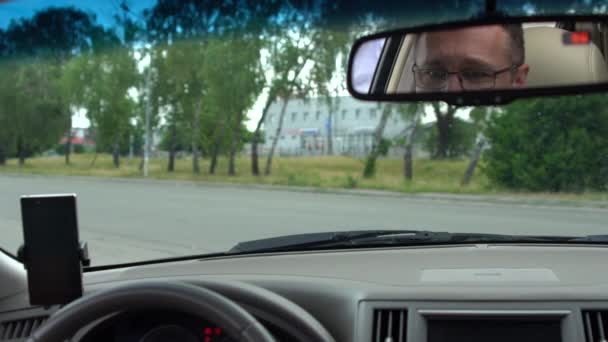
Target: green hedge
pixel 557 144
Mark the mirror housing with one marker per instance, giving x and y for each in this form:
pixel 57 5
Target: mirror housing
pixel 398 65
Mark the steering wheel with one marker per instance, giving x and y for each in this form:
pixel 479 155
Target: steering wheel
pixel 237 322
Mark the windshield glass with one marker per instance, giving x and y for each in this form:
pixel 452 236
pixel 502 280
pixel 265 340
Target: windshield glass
pixel 187 127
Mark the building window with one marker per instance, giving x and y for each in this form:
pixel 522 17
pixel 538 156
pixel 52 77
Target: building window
pixel 293 137
pixel 372 113
pixel 305 116
pixel 294 116
pixel 357 114
pixel 344 114
pixel 318 116
pixel 282 137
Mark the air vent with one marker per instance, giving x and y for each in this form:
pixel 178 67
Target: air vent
pixel 390 325
pixel 19 329
pixel 595 325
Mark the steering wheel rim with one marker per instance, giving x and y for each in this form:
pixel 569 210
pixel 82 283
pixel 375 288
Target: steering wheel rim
pixel 237 322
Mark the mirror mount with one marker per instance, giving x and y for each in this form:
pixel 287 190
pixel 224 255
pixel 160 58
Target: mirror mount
pixel 490 8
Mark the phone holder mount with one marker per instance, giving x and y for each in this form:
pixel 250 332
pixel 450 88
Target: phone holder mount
pixel 83 253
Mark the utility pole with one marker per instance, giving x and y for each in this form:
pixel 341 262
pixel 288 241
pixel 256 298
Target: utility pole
pixel 147 137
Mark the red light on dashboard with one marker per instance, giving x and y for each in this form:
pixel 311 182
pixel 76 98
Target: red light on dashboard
pixel 210 332
pixel 576 38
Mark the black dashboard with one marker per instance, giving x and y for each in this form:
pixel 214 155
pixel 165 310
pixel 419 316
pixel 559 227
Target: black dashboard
pixel 163 326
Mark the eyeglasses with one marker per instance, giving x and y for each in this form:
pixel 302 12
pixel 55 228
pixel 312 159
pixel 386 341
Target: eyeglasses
pixel 437 79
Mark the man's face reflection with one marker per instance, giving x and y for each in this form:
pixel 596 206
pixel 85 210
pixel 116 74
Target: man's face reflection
pixel 476 58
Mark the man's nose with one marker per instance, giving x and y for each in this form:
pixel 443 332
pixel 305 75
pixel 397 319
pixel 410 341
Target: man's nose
pixel 454 83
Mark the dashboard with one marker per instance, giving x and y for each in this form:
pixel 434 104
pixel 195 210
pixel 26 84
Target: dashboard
pixel 155 326
pixel 426 294
pixel 162 326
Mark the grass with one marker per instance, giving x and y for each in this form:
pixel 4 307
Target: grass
pixel 430 176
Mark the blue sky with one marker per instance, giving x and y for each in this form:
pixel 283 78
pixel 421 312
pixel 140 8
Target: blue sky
pixel 104 9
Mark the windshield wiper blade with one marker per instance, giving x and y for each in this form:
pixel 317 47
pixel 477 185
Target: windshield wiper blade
pixel 379 238
pixel 324 239
pixel 590 239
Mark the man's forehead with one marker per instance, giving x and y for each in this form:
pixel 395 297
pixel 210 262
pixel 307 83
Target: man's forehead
pixel 488 45
pixel 476 31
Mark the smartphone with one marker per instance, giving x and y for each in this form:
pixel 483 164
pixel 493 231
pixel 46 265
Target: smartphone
pixel 51 248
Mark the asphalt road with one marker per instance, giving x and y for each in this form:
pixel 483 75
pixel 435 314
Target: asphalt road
pixel 126 222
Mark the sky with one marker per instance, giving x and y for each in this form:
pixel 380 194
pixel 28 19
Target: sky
pixel 104 9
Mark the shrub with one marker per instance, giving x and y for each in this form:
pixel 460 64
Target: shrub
pixel 556 144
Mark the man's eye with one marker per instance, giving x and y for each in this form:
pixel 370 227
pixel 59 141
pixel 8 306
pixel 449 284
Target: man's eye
pixel 475 74
pixel 435 74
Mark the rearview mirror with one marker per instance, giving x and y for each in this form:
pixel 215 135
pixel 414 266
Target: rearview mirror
pixel 482 62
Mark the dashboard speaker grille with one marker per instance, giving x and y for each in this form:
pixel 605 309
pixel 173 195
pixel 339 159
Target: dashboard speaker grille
pixel 20 329
pixel 595 326
pixel 390 325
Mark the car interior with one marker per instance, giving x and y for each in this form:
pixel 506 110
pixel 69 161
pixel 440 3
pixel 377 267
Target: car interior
pixel 486 290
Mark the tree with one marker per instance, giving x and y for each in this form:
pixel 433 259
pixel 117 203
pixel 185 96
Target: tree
pixel 237 73
pixel 56 35
pixel 7 107
pixel 370 164
pixel 295 40
pixel 170 22
pixel 557 144
pixel 188 61
pixel 290 59
pixel 105 80
pixel 36 114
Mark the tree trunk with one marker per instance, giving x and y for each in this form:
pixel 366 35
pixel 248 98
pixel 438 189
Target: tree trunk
pixel 196 137
pixel 234 143
pixel 214 155
pixel 68 144
pixel 255 158
pixel 370 164
pixel 468 175
pixel 409 142
pixel 20 152
pixel 2 154
pixel 443 137
pixel 407 163
pixel 172 147
pixel 445 123
pixel 116 155
pixel 94 157
pixel 275 139
pixel 216 150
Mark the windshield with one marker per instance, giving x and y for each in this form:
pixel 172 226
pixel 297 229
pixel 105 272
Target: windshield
pixel 188 127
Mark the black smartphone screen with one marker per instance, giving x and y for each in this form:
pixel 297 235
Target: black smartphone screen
pixel 51 248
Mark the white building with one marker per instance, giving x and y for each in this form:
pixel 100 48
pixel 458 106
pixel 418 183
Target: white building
pixel 307 126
